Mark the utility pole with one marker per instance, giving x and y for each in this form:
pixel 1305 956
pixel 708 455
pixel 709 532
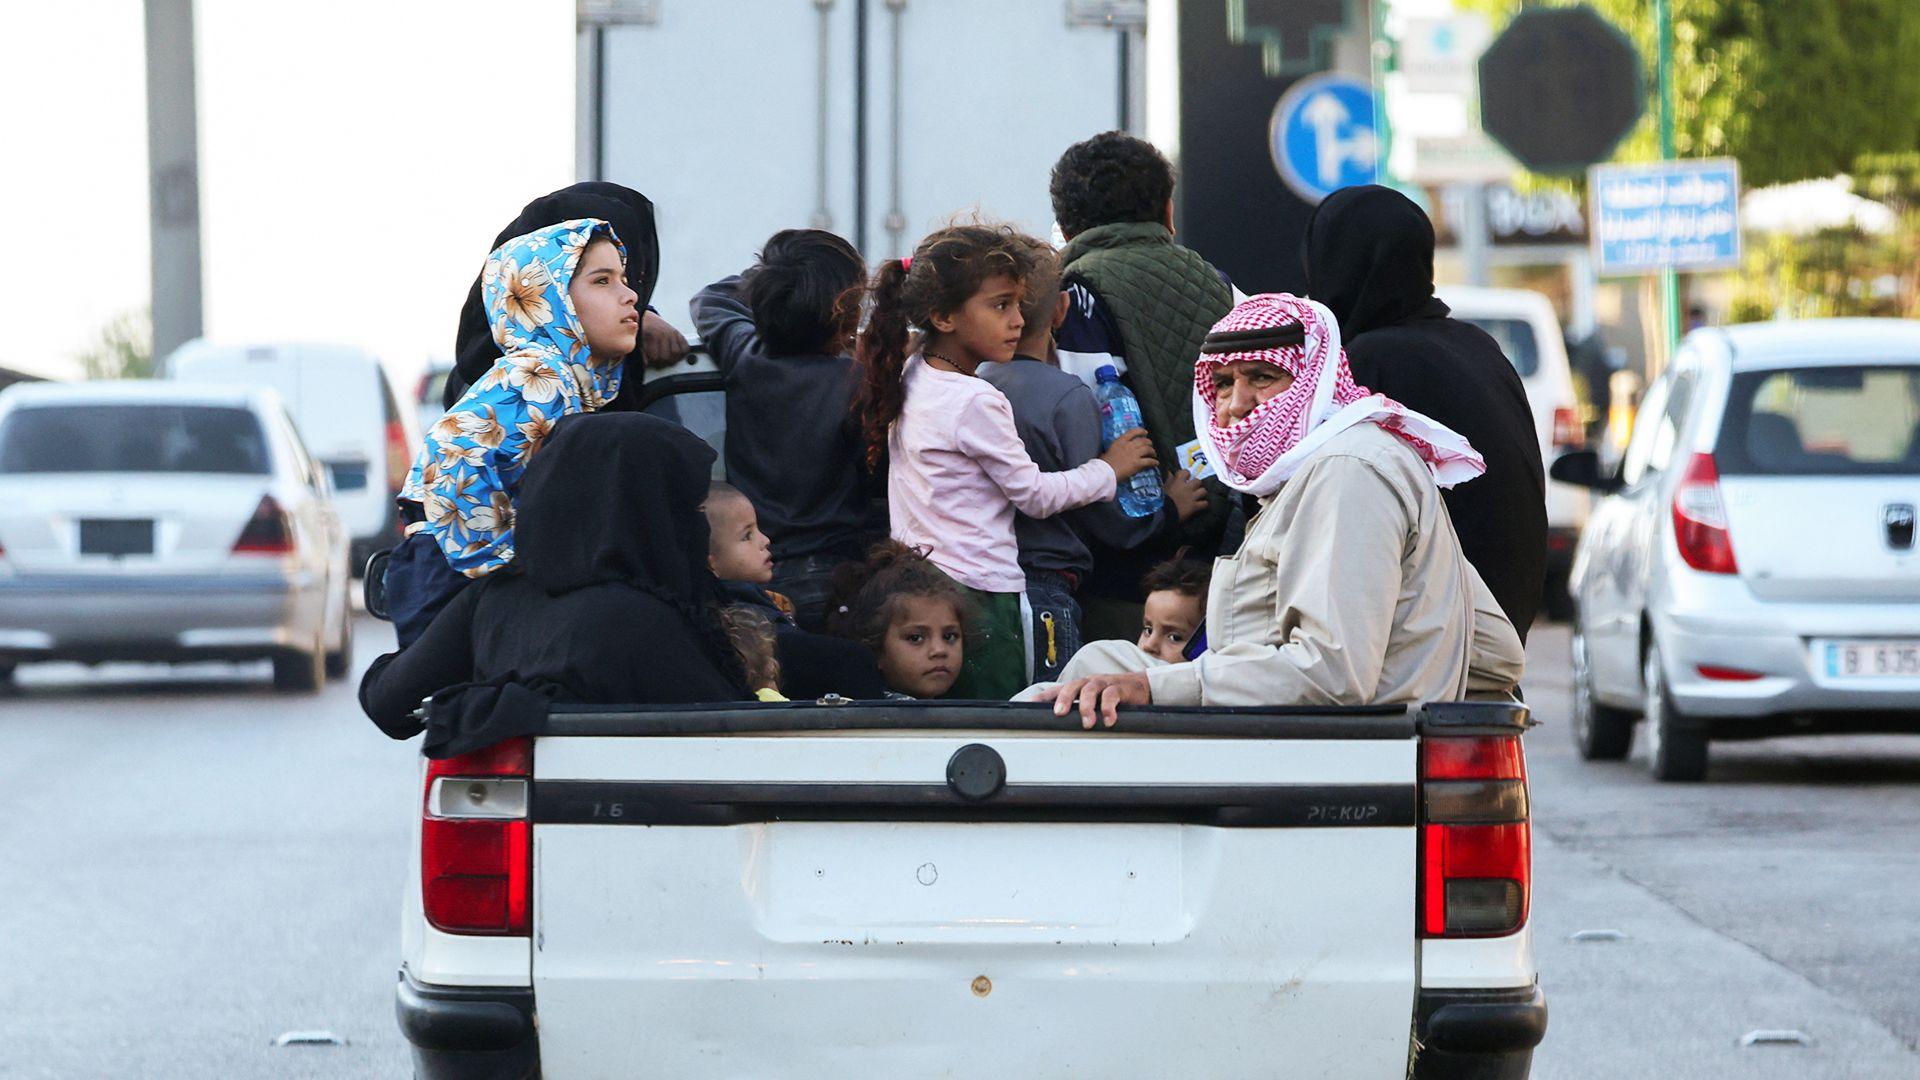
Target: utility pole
pixel 1669 280
pixel 173 175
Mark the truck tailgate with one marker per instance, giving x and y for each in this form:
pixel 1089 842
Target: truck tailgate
pixel 1231 896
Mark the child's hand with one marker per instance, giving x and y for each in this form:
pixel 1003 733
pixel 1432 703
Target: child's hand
pixel 1189 496
pixel 1131 453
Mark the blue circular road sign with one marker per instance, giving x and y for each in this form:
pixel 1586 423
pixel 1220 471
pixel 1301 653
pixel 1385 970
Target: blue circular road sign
pixel 1322 136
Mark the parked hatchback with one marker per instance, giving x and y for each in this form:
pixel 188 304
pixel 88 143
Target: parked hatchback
pixel 1752 571
pixel 162 521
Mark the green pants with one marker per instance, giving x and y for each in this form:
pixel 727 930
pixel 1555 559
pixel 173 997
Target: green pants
pixel 995 667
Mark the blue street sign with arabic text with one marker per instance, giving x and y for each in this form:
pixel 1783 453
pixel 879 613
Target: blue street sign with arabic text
pixel 1669 215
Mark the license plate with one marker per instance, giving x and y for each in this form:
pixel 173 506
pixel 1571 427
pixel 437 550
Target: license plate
pixel 116 536
pixel 1871 659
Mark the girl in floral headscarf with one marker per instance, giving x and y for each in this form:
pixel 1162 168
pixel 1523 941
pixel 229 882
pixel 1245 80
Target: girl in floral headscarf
pixel 1349 588
pixel 564 318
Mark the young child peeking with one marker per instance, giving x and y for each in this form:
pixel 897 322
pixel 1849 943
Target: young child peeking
pixel 1176 606
pixel 565 319
pixel 738 550
pixel 957 470
pixel 909 613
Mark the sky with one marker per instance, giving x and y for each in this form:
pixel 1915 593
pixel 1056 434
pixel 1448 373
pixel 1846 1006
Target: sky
pixel 356 159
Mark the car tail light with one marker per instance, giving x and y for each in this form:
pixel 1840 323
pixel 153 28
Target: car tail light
pixel 1727 674
pixel 1567 432
pixel 399 462
pixel 476 850
pixel 267 532
pixel 1700 519
pixel 1476 848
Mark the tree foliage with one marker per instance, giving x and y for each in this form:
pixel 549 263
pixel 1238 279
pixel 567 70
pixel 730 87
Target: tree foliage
pixel 124 349
pixel 1841 271
pixel 1795 89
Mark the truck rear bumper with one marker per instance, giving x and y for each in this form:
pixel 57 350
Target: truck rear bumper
pixel 488 1033
pixel 468 1032
pixel 1478 1034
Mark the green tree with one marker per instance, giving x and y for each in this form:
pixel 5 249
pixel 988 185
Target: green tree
pixel 1841 271
pixel 1795 89
pixel 124 349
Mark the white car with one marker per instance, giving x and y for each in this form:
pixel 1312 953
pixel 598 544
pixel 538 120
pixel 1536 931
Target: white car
pixel 343 406
pixel 158 521
pixel 1524 324
pixel 1752 571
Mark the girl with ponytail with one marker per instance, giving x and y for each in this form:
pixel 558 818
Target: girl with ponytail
pixel 957 469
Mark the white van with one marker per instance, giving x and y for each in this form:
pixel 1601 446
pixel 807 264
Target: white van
pixel 1524 324
pixel 345 409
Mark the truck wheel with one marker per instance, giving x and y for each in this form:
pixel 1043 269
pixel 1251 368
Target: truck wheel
pixel 1600 732
pixel 1676 752
pixel 300 671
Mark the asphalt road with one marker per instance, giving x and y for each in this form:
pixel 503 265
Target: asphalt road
pixel 192 865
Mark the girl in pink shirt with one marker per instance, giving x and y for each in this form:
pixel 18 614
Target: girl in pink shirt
pixel 957 470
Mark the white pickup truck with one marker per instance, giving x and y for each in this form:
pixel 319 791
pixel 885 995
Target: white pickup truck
pixel 907 889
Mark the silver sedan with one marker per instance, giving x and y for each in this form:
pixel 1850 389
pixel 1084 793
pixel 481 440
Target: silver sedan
pixel 156 521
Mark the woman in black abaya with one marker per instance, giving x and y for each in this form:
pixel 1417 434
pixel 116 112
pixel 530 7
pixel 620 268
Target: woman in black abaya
pixel 609 599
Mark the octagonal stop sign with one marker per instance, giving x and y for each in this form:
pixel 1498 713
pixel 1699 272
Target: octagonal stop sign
pixel 1559 88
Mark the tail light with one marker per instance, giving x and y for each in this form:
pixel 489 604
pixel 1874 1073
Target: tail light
pixel 1568 434
pixel 476 851
pixel 1700 519
pixel 399 462
pixel 1476 849
pixel 267 532
pixel 1727 674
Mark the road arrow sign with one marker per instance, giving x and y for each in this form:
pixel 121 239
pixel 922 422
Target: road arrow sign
pixel 1322 136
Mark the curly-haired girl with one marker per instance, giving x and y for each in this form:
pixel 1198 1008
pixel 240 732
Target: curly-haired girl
pixel 911 615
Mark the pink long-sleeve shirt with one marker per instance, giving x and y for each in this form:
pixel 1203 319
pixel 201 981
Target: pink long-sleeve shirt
pixel 958 471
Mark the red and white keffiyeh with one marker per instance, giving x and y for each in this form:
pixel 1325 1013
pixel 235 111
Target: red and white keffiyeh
pixel 1261 451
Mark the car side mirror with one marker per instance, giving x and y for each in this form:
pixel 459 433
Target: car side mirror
pixel 373 584
pixel 1582 469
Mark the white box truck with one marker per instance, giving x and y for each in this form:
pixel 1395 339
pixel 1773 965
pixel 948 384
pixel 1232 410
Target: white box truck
pixel 877 119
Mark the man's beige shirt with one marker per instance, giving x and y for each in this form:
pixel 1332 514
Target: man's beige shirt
pixel 1348 590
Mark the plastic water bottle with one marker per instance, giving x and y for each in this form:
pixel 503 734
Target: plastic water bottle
pixel 1119 414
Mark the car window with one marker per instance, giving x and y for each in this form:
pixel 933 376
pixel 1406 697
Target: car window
pixel 1633 465
pixel 703 412
pixel 142 438
pixel 1822 421
pixel 1673 417
pixel 1516 339
pixel 304 466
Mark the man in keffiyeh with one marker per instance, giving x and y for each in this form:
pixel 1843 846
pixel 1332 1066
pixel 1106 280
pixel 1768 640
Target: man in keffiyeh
pixel 1350 588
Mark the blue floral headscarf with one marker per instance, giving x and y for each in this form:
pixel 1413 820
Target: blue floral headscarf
pixel 468 473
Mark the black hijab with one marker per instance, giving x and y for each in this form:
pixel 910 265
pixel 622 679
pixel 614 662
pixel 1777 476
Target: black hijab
pixel 1368 252
pixel 630 214
pixel 615 498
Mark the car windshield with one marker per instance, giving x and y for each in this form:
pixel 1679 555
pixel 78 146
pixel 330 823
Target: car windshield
pixel 1516 340
pixel 1822 421
pixel 146 438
